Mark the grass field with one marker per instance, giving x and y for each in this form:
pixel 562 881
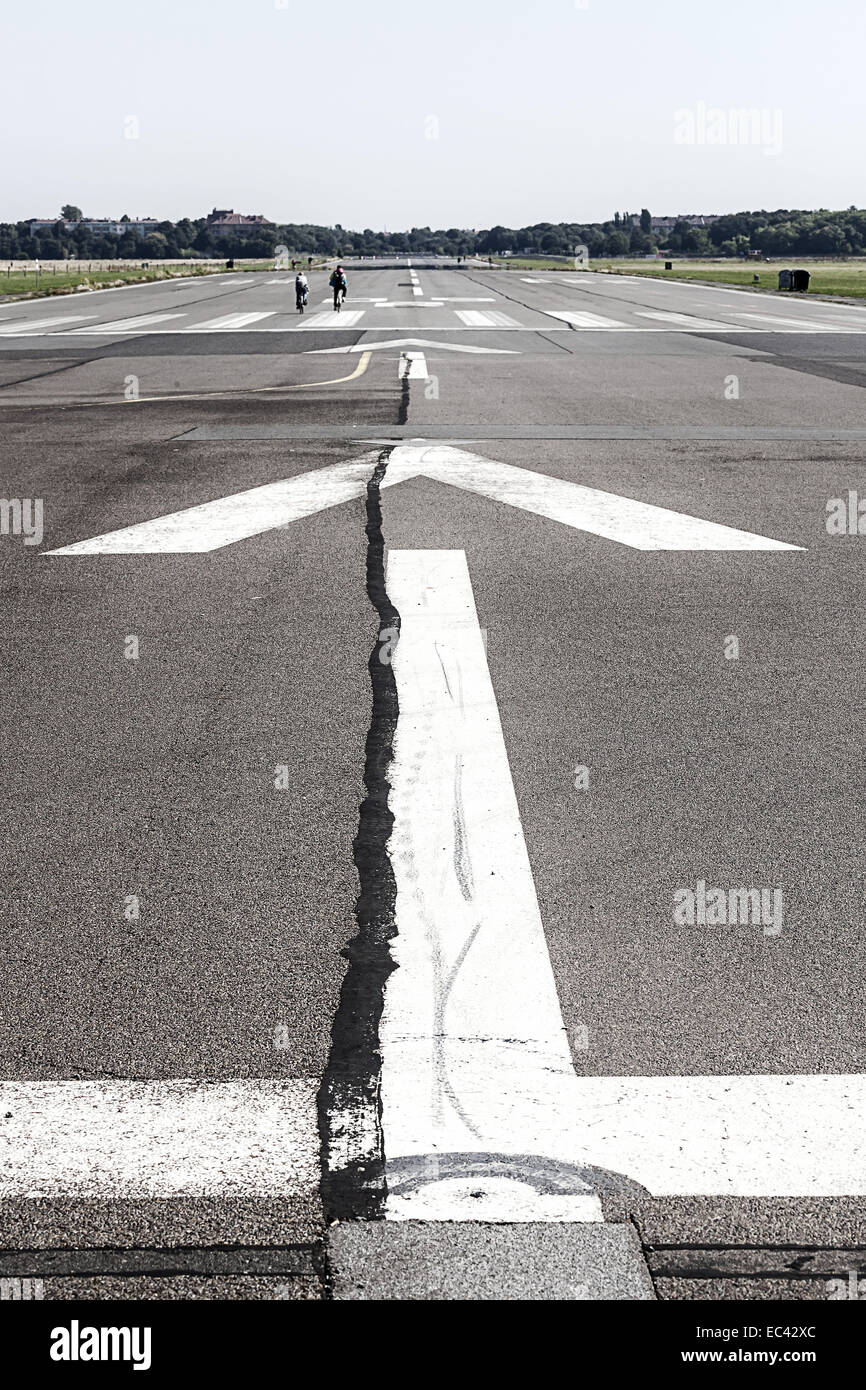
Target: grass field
pixel 846 278
pixel 21 285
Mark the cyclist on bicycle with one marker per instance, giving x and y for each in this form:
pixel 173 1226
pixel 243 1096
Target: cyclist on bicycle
pixel 340 285
pixel 302 289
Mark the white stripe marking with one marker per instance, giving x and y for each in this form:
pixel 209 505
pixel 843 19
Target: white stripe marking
pixel 583 320
pixel 346 318
pixel 158 1138
pixel 28 325
pixel 131 325
pixel 229 322
pixel 746 1136
pixel 412 365
pixel 230 519
pixel 486 318
pixel 811 325
pixel 475 1056
pixel 685 320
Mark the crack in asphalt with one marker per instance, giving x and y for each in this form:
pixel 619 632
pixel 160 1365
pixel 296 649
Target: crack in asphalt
pixel 349 1100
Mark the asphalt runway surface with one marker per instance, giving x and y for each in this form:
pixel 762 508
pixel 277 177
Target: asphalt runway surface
pixel 180 882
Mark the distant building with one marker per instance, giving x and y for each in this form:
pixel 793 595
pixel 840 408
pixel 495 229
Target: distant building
pixel 227 222
pixel 667 224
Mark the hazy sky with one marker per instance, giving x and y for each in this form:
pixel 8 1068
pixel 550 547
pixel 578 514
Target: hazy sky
pixel 455 113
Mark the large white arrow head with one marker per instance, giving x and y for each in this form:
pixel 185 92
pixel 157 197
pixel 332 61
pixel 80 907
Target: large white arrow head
pixel 244 514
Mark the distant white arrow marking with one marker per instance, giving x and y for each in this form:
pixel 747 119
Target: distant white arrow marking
pixel 414 342
pixel 244 514
pixel 476 1061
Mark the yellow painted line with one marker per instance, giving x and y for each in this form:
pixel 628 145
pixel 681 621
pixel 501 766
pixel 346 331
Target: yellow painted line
pixel 361 368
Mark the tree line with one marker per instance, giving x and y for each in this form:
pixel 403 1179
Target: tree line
pixel 785 232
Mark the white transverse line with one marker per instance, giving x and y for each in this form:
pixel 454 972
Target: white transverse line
pixel 743 1136
pixel 477 1077
pixel 583 320
pixel 158 1138
pixel 228 322
pixel 27 326
pixel 128 325
pixel 235 518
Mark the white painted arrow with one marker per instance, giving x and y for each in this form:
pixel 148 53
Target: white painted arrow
pixel 244 514
pixel 412 342
pixel 483 1115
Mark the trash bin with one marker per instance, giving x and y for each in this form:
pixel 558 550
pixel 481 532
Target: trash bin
pixel 785 279
pixel 800 280
pixel 230 265
pixel 669 265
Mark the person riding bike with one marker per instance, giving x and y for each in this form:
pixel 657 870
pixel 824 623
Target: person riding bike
pixel 340 285
pixel 302 289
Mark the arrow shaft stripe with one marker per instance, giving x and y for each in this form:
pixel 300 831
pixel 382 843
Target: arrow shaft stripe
pixel 476 1061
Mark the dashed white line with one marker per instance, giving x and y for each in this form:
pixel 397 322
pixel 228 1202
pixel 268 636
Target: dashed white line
pixel 799 325
pixel 580 319
pixel 30 325
pixel 685 320
pixel 131 325
pixel 486 318
pixel 228 322
pixel 347 318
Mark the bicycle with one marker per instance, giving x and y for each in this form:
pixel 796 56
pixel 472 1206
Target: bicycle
pixel 301 301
